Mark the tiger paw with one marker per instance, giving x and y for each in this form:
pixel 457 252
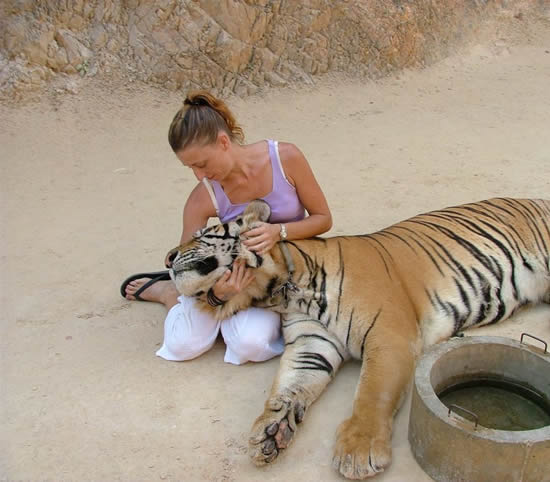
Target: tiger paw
pixel 357 455
pixel 273 431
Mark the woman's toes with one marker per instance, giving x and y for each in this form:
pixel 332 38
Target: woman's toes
pixel 134 286
pixel 155 292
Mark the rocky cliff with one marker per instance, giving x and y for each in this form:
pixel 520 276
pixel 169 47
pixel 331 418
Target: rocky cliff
pixel 230 46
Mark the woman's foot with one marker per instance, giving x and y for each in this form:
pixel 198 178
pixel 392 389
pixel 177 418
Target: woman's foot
pixel 161 291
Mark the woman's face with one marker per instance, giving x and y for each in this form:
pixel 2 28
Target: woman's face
pixel 206 160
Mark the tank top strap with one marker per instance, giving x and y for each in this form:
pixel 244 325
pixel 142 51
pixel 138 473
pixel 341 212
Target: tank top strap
pixel 210 190
pixel 223 204
pixel 279 178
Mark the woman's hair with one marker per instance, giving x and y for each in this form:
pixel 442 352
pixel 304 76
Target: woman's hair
pixel 200 119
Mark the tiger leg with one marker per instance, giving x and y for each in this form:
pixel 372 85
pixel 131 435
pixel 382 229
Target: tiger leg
pixel 311 358
pixel 363 442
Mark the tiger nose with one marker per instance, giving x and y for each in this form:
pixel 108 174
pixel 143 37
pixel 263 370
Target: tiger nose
pixel 170 257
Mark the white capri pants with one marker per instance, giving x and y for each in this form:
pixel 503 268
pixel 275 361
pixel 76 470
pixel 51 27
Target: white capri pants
pixel 253 334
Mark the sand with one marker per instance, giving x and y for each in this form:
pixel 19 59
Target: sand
pixel 92 193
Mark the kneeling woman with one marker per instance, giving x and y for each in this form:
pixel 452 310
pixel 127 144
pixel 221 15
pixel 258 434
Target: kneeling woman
pixel 206 138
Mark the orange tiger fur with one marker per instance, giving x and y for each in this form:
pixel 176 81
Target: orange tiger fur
pixel 380 298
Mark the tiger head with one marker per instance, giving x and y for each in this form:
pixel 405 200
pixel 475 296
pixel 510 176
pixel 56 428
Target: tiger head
pixel 196 265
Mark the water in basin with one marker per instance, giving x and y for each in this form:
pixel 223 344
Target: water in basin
pixel 499 404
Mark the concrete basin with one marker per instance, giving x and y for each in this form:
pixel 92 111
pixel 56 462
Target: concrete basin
pixel 449 443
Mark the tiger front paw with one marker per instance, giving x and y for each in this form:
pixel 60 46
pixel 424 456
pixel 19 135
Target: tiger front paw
pixel 359 455
pixel 273 431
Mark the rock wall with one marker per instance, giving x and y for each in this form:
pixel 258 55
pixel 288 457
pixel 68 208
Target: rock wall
pixel 229 46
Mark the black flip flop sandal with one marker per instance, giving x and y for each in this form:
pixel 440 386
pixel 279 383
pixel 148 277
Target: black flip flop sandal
pixel 156 276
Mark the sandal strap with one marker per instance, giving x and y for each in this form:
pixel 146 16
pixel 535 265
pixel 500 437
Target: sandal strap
pixel 149 283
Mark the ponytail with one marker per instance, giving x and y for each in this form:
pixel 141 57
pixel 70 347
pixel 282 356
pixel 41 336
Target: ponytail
pixel 200 119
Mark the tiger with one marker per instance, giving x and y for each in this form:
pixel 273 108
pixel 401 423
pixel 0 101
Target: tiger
pixel 380 298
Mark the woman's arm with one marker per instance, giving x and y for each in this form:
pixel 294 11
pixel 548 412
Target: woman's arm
pixel 298 172
pixel 196 212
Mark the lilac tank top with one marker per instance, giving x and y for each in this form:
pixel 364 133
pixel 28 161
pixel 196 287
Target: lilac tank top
pixel 283 198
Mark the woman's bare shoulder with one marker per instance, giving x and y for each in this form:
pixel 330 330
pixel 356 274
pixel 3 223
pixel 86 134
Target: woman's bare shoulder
pixel 290 152
pixel 200 200
pixel 293 160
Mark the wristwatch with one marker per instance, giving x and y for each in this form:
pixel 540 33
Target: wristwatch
pixel 282 232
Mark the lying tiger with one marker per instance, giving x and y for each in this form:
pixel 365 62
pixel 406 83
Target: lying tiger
pixel 379 298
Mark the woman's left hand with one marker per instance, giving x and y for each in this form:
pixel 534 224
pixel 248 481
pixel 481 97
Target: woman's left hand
pixel 262 238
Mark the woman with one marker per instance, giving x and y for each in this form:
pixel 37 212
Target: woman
pixel 206 138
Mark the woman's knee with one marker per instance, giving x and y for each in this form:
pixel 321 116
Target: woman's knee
pixel 188 333
pixel 253 335
pixel 178 349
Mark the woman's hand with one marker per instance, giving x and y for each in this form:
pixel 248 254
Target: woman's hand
pixel 262 238
pixel 233 281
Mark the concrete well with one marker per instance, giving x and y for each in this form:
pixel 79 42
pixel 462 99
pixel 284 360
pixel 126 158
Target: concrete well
pixel 452 448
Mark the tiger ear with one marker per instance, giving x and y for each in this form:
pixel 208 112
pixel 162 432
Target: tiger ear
pixel 257 210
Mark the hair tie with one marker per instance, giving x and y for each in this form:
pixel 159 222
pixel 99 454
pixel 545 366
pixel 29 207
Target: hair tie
pixel 194 102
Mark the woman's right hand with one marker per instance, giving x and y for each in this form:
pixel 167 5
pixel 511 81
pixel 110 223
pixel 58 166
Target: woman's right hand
pixel 233 281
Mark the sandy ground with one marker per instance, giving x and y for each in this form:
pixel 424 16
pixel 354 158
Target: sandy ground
pixel 92 193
